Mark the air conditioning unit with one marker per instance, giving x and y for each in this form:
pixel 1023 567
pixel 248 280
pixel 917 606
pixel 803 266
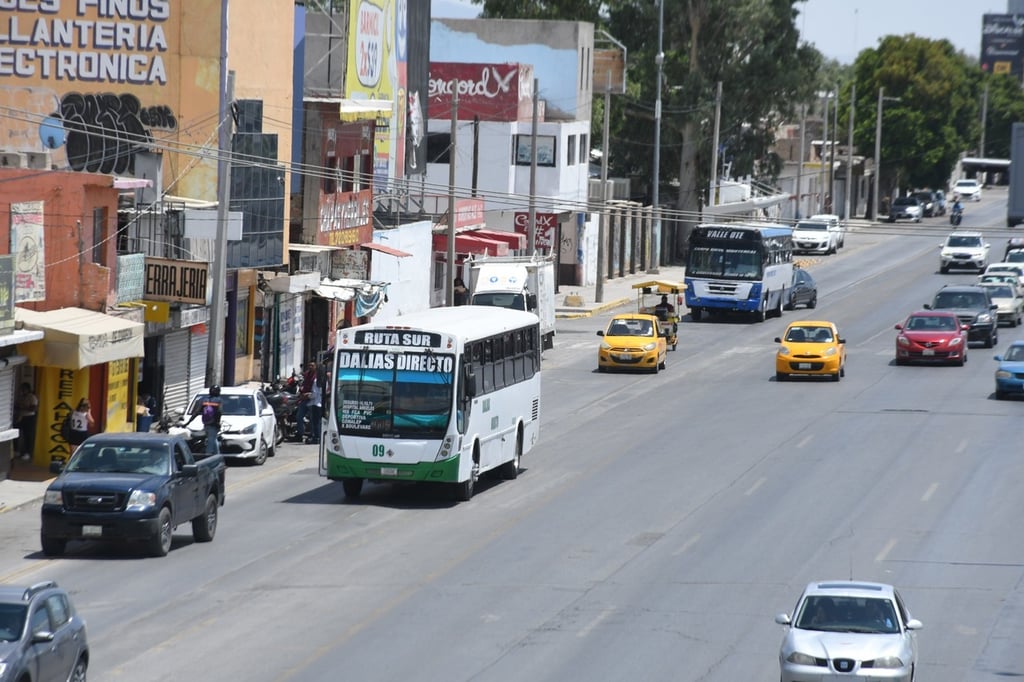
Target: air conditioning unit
pixel 38 160
pixel 12 160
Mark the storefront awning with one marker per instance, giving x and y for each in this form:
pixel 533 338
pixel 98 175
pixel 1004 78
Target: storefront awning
pixel 390 250
pixel 350 110
pixel 515 240
pixel 74 338
pixel 467 244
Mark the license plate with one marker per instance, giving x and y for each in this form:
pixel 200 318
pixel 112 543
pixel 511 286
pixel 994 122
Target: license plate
pixel 803 365
pixel 388 471
pixel 927 351
pixel 92 531
pixel 623 356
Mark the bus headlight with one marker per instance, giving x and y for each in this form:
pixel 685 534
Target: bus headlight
pixel 445 451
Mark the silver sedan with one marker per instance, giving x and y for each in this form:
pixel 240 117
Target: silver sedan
pixel 841 629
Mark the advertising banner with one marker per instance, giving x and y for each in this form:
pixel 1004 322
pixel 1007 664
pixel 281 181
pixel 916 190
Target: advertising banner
pixel 492 92
pixel 1002 43
pixel 546 229
pixel 6 295
pixel 29 251
pixel 177 281
pixel 418 77
pixel 119 375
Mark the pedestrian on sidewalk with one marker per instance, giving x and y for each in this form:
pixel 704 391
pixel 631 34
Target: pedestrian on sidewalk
pixel 316 397
pixel 27 411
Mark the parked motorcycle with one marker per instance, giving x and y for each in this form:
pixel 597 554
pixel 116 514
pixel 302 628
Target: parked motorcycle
pixel 284 397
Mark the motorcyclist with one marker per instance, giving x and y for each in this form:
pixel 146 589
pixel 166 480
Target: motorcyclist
pixel 957 212
pixel 957 206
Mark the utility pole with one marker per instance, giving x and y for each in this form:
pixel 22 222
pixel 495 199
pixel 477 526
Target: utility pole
pixel 602 223
pixel 984 121
pixel 218 306
pixel 659 59
pixel 878 153
pixel 713 190
pixel 452 147
pixel 531 225
pixel 830 197
pixel 849 152
pixel 800 168
pixel 821 169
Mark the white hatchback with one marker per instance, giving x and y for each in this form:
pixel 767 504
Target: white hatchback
pixel 248 429
pixel 813 236
pixel 835 226
pixel 969 190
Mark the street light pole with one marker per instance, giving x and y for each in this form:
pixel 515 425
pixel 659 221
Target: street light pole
pixel 878 146
pixel 659 59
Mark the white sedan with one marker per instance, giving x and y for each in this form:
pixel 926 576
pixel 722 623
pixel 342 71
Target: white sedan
pixel 969 190
pixel 248 428
pixel 843 630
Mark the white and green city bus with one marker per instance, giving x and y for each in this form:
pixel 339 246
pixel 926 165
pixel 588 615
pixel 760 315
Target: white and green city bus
pixel 442 396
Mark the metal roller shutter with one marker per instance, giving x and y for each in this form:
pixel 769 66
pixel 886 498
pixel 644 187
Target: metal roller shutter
pixel 6 398
pixel 176 388
pixel 198 344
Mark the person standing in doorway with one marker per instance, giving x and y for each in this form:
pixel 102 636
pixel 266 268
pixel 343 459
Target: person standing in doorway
pixel 27 409
pixel 316 397
pixel 82 423
pixel 461 292
pixel 211 414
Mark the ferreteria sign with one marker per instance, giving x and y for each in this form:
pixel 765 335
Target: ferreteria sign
pixel 105 41
pixel 177 281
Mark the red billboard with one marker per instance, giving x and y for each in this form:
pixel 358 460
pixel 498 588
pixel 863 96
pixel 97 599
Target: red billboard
pixel 492 92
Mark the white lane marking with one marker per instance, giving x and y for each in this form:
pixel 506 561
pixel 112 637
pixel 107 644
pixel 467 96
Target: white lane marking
pixel 687 545
pixel 885 551
pixel 928 493
pixel 805 441
pixel 756 485
pixel 962 447
pixel 594 623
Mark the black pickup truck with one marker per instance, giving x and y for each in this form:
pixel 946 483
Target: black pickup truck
pixel 132 487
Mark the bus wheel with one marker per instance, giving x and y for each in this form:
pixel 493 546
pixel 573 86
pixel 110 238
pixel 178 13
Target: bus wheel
pixel 464 490
pixel 695 314
pixel 760 314
pixel 778 306
pixel 510 470
pixel 352 487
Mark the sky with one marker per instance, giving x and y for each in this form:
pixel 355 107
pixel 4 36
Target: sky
pixel 842 28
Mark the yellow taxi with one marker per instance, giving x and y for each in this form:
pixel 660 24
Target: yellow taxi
pixel 632 341
pixel 810 348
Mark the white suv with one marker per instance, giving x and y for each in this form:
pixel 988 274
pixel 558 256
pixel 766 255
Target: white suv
pixel 964 250
pixel 969 190
pixel 835 226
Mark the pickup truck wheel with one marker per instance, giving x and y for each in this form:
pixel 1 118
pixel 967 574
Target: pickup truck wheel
pixel 52 546
pixel 204 526
pixel 160 543
pixel 261 454
pixel 352 487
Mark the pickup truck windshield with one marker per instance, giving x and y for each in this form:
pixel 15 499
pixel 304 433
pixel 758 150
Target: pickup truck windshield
pixel 120 459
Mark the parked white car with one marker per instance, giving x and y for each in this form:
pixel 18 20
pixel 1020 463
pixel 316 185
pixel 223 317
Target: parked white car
pixel 248 428
pixel 969 190
pixel 835 225
pixel 813 236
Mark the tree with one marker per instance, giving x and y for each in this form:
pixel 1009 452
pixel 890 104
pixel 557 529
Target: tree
pixel 936 117
pixel 1005 107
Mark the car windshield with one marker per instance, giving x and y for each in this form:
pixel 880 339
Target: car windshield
pixel 812 226
pixel 847 614
pixel 1015 257
pixel 809 334
pixel 12 621
pixel 630 328
pixel 960 299
pixel 1002 291
pixel 905 201
pixel 966 184
pixel 964 241
pixel 931 323
pixel 230 405
pixel 1014 353
pixel 123 458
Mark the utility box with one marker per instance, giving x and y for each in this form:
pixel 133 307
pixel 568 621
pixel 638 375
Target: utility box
pixel 518 283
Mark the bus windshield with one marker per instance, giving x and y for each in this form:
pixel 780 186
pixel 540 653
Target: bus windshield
pixel 707 261
pixel 395 394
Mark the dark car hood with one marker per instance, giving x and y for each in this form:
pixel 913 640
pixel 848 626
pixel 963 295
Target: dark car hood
pixel 105 481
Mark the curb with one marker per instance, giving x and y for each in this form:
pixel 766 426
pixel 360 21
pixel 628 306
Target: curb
pixel 572 314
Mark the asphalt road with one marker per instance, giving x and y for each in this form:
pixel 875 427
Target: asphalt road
pixel 660 524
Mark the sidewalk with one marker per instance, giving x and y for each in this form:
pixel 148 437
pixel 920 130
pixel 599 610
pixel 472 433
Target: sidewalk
pixel 25 485
pixel 580 301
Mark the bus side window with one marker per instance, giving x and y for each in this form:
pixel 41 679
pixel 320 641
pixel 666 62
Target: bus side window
pixel 510 359
pixel 488 366
pixel 499 362
pixel 519 359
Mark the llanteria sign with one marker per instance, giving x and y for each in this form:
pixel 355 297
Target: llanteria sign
pixel 177 281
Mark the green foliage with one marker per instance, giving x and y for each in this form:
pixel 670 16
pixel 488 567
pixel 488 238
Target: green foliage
pixel 1005 107
pixel 575 10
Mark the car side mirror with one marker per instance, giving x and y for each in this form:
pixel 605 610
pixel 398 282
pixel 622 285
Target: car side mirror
pixel 190 470
pixel 42 637
pixel 842 340
pixel 783 619
pixel 267 412
pixel 778 340
pixel 998 358
pixel 994 307
pixel 914 624
pixel 600 333
pixel 965 327
pixel 927 306
pixel 898 327
pixel 56 466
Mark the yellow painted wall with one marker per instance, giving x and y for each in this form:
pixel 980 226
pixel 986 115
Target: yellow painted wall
pixel 59 391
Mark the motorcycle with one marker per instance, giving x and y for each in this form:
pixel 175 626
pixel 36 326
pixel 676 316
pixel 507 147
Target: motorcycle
pixel 284 397
pixel 193 430
pixel 955 216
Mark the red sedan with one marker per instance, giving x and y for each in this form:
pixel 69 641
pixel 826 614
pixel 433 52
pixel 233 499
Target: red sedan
pixel 931 336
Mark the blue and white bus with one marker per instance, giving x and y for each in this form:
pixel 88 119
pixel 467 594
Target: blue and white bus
pixel 441 396
pixel 739 267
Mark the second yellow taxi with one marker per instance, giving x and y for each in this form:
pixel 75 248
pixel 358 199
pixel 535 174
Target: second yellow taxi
pixel 810 348
pixel 632 341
